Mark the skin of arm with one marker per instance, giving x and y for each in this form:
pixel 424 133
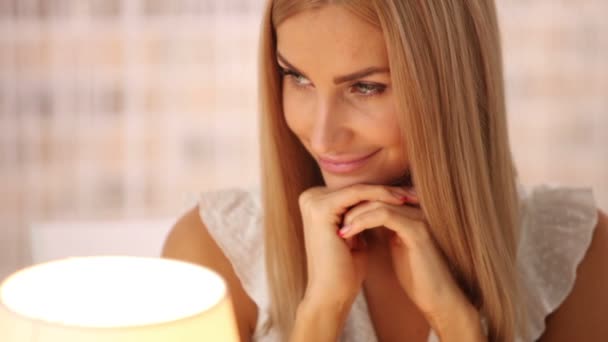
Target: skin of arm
pixel 189 240
pixel 319 321
pixel 463 324
pixel 322 322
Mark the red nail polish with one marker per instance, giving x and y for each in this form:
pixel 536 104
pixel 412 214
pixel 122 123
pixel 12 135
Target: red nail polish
pixel 342 232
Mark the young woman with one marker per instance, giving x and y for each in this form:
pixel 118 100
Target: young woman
pixel 389 207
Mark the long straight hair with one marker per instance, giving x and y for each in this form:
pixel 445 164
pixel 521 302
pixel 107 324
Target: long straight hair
pixel 446 71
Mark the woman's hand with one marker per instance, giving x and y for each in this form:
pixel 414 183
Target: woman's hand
pixel 418 264
pixel 336 269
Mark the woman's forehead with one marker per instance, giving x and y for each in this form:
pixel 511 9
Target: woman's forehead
pixel 331 35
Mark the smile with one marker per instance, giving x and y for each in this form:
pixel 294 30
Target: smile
pixel 342 167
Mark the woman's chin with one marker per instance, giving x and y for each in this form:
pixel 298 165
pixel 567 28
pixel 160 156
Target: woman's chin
pixel 333 183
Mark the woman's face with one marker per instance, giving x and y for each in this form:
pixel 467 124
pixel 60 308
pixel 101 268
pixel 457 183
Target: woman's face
pixel 338 98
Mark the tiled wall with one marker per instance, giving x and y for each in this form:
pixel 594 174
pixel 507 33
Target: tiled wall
pixel 125 109
pixel 121 109
pixel 556 60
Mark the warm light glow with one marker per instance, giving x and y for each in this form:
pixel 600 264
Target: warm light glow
pixel 105 293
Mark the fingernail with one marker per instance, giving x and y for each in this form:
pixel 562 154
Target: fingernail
pixel 342 232
pixel 406 199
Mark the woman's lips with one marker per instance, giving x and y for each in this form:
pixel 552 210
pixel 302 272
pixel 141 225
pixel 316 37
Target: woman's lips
pixel 340 167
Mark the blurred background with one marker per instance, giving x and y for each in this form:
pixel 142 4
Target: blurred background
pixel 115 114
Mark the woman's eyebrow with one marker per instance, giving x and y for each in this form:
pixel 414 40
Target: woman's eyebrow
pixel 339 79
pixel 289 65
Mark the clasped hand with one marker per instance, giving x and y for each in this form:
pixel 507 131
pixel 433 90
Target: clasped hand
pixel 336 269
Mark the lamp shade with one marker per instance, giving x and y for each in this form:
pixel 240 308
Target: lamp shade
pixel 118 299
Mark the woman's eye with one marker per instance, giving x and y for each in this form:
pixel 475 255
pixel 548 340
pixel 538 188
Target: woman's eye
pixel 301 80
pixel 298 79
pixel 362 89
pixel 367 89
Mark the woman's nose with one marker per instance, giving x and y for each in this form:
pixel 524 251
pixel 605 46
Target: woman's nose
pixel 328 127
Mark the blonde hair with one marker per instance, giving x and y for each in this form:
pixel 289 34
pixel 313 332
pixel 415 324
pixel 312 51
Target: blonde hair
pixel 446 72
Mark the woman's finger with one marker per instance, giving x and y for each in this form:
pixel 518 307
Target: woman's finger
pixel 359 209
pixel 370 205
pixel 406 222
pixel 353 195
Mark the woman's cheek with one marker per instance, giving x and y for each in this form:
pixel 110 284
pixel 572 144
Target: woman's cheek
pixel 291 122
pixel 295 107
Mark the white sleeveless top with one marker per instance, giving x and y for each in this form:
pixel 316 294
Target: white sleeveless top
pixel 557 224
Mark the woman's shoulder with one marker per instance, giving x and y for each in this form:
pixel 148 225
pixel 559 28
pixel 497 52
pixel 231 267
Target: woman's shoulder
pixel 231 208
pixel 582 314
pixel 233 219
pixel 194 238
pixel 223 219
pixel 556 216
pixel 551 197
pixel 230 220
pixel 558 225
pixel 556 222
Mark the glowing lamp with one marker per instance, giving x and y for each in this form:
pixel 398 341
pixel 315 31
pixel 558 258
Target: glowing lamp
pixel 118 299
